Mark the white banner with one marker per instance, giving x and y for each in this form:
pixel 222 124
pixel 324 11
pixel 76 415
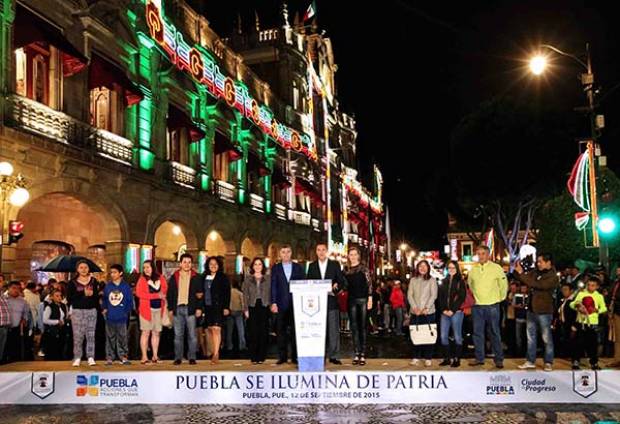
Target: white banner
pixel 151 387
pixel 310 308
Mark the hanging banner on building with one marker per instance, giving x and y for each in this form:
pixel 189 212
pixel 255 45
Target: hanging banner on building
pixel 344 387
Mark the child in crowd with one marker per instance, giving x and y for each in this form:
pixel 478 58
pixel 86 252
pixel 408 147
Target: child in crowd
pixel 117 305
pixel 589 304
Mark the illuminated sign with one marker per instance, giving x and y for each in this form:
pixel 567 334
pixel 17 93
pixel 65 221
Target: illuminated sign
pixel 203 68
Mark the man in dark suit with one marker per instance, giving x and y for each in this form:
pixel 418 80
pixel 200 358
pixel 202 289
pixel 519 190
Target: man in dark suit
pixel 325 269
pixel 282 302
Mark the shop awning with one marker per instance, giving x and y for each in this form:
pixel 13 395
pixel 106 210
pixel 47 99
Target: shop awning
pixel 256 164
pixel 30 28
pixel 179 119
pixel 223 144
pixel 104 73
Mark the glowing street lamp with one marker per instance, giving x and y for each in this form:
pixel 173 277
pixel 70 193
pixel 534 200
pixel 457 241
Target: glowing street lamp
pixel 538 64
pixel 12 192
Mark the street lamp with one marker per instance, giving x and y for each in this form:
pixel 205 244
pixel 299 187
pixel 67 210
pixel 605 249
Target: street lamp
pixel 12 191
pixel 538 65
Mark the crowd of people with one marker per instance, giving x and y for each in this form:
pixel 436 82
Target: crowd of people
pixel 196 314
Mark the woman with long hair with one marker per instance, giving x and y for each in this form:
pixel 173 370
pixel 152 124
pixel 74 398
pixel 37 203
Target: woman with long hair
pixel 360 301
pixel 151 289
pixel 422 294
pixel 83 300
pixel 257 296
pixel 217 302
pixel 452 292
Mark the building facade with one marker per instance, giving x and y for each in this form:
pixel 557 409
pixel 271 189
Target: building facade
pixel 144 135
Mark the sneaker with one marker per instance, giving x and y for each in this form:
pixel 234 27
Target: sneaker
pixel 355 360
pixel 91 362
pixel 527 365
pixel 575 366
pixel 414 361
pixel 41 354
pixel 455 363
pixel 548 367
pixel 76 362
pixel 108 362
pixel 428 363
pixel 125 361
pixel 177 362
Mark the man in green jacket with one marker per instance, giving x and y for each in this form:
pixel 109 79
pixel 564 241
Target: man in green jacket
pixel 541 282
pixel 489 286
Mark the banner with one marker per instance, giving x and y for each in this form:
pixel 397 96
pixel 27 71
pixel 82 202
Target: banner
pixel 310 308
pixel 343 387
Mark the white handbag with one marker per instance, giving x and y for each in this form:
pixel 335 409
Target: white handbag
pixel 423 334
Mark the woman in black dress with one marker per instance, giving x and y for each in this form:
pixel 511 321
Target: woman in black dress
pixel 256 298
pixel 217 302
pixel 360 301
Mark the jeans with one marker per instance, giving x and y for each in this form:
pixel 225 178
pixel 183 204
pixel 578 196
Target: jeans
pixel 520 336
pixel 235 319
pixel 456 323
pixel 487 317
pixel 398 313
pixel 386 316
pixel 116 340
pixel 357 317
pixel 181 321
pixel 533 322
pixel 333 333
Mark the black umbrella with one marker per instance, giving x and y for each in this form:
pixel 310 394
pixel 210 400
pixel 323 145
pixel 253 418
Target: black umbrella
pixel 67 263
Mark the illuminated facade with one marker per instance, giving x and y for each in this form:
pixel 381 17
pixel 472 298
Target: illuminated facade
pixel 145 135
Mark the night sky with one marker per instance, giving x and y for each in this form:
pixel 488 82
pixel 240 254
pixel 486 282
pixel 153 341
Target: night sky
pixel 410 70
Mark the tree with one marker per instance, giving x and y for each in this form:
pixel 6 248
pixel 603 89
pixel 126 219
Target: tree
pixel 557 233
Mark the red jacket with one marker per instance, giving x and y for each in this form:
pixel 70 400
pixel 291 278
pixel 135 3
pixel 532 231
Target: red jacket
pixel 142 293
pixel 397 298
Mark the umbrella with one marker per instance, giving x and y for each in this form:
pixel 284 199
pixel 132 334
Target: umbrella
pixel 67 263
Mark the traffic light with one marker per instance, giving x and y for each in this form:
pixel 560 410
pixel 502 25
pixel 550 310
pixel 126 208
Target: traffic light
pixel 607 225
pixel 15 231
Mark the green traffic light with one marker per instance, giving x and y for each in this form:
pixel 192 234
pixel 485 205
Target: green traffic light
pixel 606 225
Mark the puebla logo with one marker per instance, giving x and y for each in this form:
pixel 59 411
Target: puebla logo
pixel 42 384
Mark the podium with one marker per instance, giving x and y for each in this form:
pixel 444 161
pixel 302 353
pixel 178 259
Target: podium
pixel 310 308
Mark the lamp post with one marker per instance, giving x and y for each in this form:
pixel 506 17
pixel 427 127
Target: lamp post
pixel 538 65
pixel 12 191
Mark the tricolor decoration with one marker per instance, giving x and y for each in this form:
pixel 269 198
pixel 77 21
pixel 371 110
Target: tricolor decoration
pixel 581 220
pixel 578 182
pixel 310 11
pixel 489 241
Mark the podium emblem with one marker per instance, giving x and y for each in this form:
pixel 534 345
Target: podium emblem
pixel 310 304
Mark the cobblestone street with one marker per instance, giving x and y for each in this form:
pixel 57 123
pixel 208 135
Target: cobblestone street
pixel 222 414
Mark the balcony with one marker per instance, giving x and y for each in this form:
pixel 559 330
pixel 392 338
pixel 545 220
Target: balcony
pixel 281 212
pixel 183 175
pixel 42 120
pixel 112 146
pixel 225 191
pixel 302 218
pixel 37 118
pixel 257 203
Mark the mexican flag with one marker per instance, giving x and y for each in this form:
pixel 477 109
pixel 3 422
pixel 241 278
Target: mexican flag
pixel 310 12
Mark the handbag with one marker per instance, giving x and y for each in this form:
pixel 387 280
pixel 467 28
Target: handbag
pixel 470 300
pixel 423 334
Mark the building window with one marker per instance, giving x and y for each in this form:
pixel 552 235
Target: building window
pixel 280 195
pixel 178 145
pixel 37 74
pixel 221 166
pixel 303 202
pixel 107 109
pixel 254 183
pixel 467 248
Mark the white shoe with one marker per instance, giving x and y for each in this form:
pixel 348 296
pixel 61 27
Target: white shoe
pixel 91 362
pixel 548 367
pixel 428 363
pixel 527 365
pixel 76 362
pixel 414 361
pixel 41 354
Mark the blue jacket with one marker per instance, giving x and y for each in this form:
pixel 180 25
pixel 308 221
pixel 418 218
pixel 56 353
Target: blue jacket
pixel 118 301
pixel 280 290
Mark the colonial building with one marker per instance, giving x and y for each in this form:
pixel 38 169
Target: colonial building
pixel 144 134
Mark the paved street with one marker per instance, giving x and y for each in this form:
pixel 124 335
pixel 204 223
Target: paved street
pixel 222 414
